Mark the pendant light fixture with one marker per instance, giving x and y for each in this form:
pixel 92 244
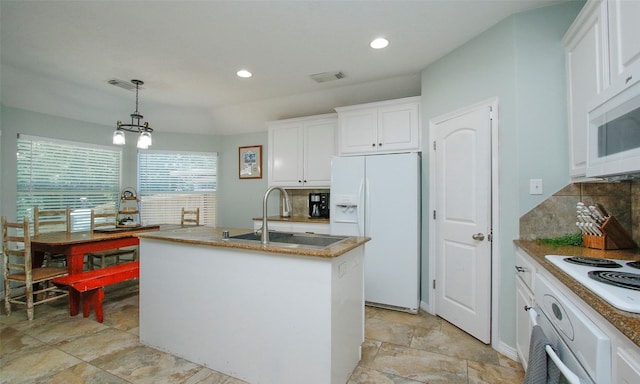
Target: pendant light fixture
pixel 144 131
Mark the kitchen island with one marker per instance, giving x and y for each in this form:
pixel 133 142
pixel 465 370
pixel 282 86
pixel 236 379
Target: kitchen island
pixel 260 313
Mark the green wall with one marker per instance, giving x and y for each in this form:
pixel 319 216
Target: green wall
pixel 521 62
pixel 242 198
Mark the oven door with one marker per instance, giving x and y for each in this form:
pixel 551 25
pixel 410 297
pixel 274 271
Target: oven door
pixel 565 360
pixel 580 343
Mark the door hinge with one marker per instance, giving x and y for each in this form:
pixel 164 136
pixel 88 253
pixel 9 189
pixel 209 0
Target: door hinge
pixel 434 145
pixel 490 113
pixel 434 214
pixel 434 284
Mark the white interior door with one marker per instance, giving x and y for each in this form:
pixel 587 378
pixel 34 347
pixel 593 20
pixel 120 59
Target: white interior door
pixel 463 220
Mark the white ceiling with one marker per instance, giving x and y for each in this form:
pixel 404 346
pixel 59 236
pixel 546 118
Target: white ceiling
pixel 57 56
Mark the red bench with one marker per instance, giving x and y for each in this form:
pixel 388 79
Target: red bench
pixel 90 285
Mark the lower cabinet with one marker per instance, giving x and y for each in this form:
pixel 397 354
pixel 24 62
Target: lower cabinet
pixel 524 298
pixel 525 271
pixel 627 366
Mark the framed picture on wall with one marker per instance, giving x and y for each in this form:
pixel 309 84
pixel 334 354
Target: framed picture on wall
pixel 250 162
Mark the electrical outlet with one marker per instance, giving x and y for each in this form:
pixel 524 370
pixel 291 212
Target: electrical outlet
pixel 535 186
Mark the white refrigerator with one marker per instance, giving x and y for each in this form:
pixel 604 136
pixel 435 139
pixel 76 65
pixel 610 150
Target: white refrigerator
pixel 379 196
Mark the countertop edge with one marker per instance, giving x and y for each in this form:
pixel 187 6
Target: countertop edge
pixel 627 323
pixel 212 236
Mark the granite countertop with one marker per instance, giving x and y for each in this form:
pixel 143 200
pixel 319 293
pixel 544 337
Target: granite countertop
pixel 627 323
pixel 212 236
pixel 296 219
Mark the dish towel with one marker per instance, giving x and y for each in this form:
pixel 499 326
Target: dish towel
pixel 540 368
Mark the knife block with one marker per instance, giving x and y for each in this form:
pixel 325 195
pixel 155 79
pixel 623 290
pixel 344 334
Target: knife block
pixel 614 237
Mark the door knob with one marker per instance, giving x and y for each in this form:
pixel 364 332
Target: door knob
pixel 478 236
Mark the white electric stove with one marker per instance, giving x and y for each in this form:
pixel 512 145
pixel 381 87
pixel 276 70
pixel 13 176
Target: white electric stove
pixel 615 281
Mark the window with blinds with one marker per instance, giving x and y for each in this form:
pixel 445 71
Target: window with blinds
pixel 54 174
pixel 170 181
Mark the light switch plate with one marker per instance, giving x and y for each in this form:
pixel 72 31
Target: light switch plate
pixel 535 186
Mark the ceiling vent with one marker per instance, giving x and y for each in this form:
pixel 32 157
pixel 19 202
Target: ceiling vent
pixel 124 84
pixel 327 76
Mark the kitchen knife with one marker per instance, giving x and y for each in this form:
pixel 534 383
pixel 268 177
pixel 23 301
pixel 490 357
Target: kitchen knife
pixel 596 215
pixel 591 222
pixel 602 211
pixel 595 228
pixel 584 225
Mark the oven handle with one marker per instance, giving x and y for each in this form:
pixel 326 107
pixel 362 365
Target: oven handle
pixel 570 376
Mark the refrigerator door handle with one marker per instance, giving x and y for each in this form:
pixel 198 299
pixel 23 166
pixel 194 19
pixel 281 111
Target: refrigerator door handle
pixel 362 193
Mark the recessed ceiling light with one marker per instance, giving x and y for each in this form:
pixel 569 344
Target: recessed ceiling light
pixel 244 73
pixel 379 43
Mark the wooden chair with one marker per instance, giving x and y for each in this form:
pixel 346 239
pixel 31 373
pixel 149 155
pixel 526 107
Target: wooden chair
pixel 190 217
pixel 108 219
pixel 52 220
pixel 33 283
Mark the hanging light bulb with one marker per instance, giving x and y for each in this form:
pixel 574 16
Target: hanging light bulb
pixel 144 140
pixel 118 137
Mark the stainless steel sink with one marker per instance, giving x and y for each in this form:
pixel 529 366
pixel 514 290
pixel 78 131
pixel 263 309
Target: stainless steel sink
pixel 292 240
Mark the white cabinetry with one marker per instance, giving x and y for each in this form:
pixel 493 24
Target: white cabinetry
pixel 525 271
pixel 300 151
pixel 602 45
pixel 624 37
pixel 388 126
pixel 587 75
pixel 627 368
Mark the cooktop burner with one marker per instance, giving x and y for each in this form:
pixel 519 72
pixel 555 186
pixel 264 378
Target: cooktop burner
pixel 625 296
pixel 634 264
pixel 616 278
pixel 600 263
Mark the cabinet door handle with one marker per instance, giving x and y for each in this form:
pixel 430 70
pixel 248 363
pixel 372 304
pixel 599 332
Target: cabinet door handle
pixel 299 181
pixel 373 145
pixel 520 269
pixel 379 144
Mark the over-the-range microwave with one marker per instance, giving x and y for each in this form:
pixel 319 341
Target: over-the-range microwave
pixel 613 137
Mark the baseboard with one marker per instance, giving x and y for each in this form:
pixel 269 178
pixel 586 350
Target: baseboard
pixel 507 350
pixel 426 307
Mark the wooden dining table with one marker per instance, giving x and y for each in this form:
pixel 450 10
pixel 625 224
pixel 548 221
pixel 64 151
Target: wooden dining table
pixel 74 245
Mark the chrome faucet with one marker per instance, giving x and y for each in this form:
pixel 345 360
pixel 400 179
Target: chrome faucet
pixel 265 230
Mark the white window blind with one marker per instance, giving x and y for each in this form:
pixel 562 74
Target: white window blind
pixel 54 174
pixel 170 181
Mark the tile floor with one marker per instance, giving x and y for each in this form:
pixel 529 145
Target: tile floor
pixel 399 349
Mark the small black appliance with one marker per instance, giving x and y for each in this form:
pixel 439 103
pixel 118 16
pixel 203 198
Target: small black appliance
pixel 319 205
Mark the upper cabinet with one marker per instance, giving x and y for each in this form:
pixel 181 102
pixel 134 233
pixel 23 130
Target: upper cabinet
pixel 587 75
pixel 300 151
pixel 601 45
pixel 624 37
pixel 388 126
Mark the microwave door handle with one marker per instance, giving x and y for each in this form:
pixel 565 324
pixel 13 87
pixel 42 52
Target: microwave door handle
pixel 566 372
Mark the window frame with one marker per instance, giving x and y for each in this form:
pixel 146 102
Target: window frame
pixel 71 155
pixel 170 201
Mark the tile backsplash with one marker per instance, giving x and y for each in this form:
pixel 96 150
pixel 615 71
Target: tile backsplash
pixel 299 199
pixel 556 216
